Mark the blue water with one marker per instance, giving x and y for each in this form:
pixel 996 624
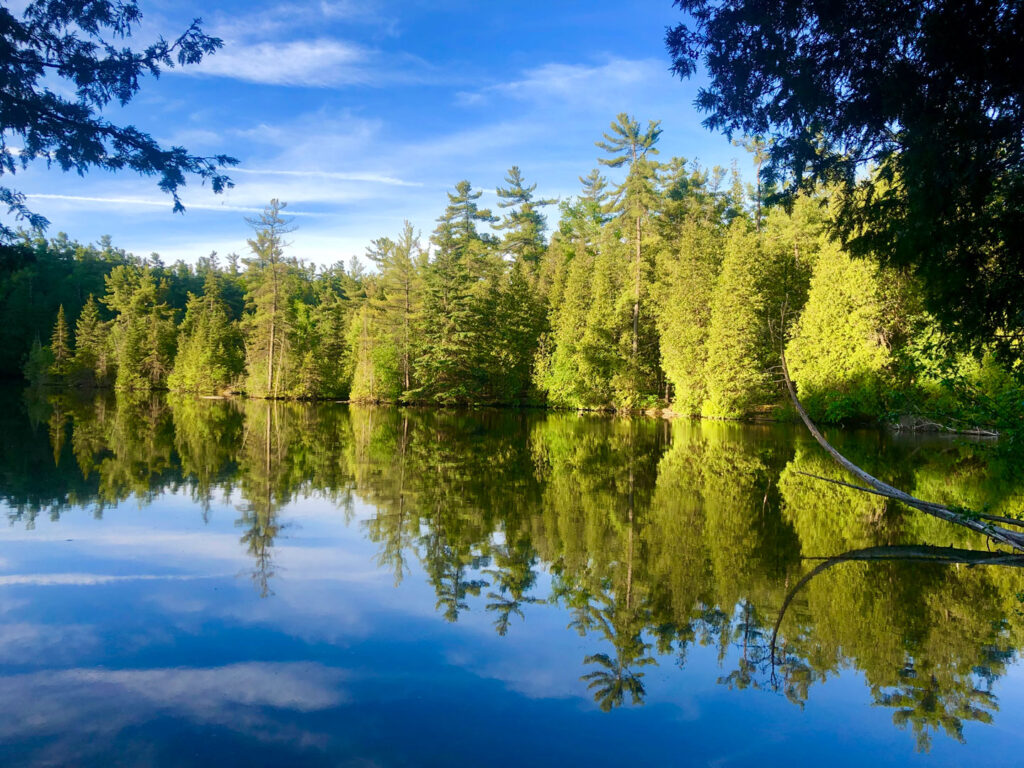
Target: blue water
pixel 147 636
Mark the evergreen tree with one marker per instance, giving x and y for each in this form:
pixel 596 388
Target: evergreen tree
pixel 458 283
pixel 635 200
pixel 838 355
pixel 688 269
pixel 60 346
pixel 575 357
pixel 209 355
pixel 269 323
pixel 602 355
pixel 90 363
pixel 517 327
pixel 395 310
pixel 142 334
pixel 523 225
pixel 736 379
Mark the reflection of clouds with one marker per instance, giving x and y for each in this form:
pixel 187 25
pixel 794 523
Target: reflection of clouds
pixel 67 709
pixel 34 644
pixel 87 579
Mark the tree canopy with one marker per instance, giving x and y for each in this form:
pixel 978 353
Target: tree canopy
pixel 911 109
pixel 60 64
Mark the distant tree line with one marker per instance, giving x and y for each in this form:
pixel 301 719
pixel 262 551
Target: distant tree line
pixel 673 286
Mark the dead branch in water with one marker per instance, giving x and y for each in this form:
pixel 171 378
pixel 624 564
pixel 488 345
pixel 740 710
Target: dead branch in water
pixel 972 520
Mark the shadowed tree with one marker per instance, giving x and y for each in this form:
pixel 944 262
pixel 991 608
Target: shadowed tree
pixel 927 94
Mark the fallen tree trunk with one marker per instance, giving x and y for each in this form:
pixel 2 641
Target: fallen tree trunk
pixel 966 518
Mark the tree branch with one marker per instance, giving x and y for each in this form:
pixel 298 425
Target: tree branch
pixel 971 521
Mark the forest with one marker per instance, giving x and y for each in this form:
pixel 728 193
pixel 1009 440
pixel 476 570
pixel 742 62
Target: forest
pixel 662 285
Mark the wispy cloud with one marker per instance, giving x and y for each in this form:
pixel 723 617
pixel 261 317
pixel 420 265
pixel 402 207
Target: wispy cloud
pixel 155 203
pixel 282 16
pixel 372 178
pixel 573 84
pixel 76 715
pixel 86 579
pixel 322 63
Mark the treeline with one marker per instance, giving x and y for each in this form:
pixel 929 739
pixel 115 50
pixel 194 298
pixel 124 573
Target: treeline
pixel 673 286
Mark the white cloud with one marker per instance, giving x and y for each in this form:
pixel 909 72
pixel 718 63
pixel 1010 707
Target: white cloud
pixel 74 715
pixel 119 202
pixel 316 63
pixel 261 23
pixel 575 84
pixel 372 178
pixel 85 579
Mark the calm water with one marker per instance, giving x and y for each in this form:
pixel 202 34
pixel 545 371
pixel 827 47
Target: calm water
pixel 194 582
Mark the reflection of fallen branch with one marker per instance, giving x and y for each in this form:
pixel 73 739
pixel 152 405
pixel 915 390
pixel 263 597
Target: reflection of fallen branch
pixel 924 554
pixel 993 518
pixel 968 519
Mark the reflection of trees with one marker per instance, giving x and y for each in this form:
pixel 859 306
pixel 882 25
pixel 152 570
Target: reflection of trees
pixel 514 577
pixel 940 685
pixel 659 537
pixel 622 625
pixel 927 704
pixel 207 434
pixel 264 485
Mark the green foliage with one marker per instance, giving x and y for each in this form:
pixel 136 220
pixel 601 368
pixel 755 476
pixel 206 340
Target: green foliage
pixel 384 342
pixel 272 283
pixel 838 355
pixel 668 285
pixel 459 287
pixel 523 225
pixel 834 88
pixel 90 365
pixel 39 365
pixel 736 377
pixel 63 64
pixel 142 335
pixel 60 346
pixel 209 357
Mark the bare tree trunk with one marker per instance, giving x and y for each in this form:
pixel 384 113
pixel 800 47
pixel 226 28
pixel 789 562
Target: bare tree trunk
pixel 273 321
pixel 405 336
pixel 636 291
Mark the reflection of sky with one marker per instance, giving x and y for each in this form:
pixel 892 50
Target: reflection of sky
pixel 141 635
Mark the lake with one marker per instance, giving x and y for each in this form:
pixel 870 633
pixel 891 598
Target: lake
pixel 201 582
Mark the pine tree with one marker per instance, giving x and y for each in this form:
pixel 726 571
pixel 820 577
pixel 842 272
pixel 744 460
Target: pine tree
pixel 446 362
pixel 572 368
pixel 398 302
pixel 209 355
pixel 458 283
pixel 331 315
pixel 516 331
pixel 736 378
pixel 635 200
pixel 523 225
pixel 142 334
pixel 270 320
pixel 60 346
pixel 838 355
pixel 89 366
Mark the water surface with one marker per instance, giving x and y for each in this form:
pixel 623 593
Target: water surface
pixel 196 582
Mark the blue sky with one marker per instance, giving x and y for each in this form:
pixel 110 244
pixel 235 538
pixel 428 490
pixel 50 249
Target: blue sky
pixel 362 114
